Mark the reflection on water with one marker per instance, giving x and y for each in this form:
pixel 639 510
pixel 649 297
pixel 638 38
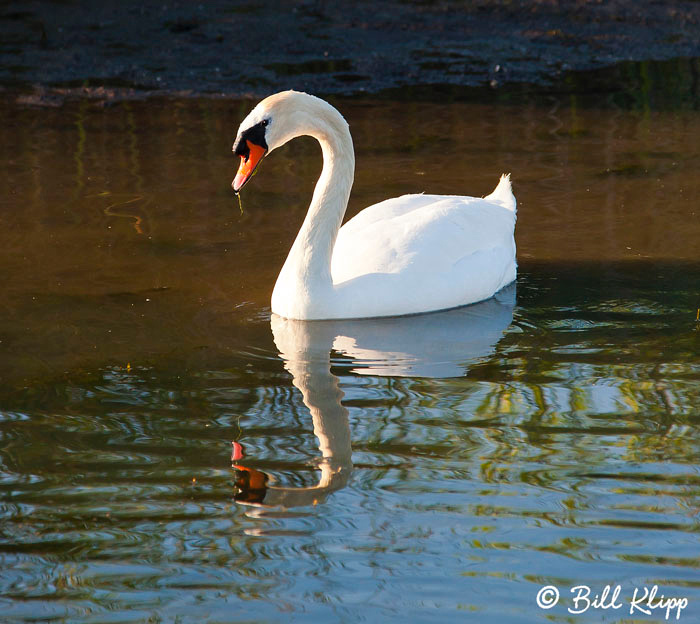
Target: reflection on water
pixel 306 352
pixel 440 344
pixel 458 461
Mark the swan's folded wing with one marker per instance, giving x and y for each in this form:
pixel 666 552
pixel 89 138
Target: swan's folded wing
pixel 423 236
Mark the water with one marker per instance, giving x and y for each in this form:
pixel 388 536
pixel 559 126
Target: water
pixel 426 469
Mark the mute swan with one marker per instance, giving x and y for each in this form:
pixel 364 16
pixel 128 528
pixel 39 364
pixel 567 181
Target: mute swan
pixel 406 255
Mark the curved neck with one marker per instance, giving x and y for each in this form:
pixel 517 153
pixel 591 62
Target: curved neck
pixel 307 269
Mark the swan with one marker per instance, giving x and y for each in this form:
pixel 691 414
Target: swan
pixel 406 255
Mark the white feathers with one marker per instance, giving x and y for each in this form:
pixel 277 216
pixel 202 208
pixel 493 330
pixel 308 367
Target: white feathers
pixel 503 193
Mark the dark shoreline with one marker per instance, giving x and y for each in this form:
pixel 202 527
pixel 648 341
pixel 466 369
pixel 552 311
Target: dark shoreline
pixel 51 51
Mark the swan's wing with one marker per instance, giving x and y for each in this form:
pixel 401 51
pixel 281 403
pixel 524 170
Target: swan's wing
pixel 419 252
pixel 421 234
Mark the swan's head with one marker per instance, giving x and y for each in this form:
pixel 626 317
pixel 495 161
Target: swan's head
pixel 276 120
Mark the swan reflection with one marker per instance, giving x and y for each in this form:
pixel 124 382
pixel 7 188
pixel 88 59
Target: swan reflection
pixel 440 344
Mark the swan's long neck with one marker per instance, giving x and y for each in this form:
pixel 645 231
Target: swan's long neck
pixel 305 279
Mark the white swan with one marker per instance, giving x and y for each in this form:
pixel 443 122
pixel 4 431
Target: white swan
pixel 406 255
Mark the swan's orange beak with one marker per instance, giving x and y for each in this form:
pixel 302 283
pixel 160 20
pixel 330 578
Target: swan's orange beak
pixel 249 163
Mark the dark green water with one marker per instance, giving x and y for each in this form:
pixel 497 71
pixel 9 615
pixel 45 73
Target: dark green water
pixel 440 468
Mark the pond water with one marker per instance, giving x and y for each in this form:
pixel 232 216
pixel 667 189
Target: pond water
pixel 435 468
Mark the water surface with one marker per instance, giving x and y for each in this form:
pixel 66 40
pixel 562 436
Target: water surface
pixel 434 468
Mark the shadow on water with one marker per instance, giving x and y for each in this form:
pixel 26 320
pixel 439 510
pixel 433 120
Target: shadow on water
pixel 632 85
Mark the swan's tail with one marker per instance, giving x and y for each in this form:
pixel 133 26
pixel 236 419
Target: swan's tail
pixel 503 193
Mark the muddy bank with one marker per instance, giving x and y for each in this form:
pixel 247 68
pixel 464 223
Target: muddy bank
pixel 251 48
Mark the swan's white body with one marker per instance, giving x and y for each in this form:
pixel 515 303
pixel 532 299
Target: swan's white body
pixel 406 255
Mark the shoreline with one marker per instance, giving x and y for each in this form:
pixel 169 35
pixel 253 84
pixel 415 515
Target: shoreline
pixel 124 50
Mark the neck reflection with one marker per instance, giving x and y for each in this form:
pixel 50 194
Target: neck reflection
pixel 441 344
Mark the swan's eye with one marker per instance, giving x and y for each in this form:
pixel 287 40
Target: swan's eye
pixel 265 122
